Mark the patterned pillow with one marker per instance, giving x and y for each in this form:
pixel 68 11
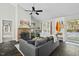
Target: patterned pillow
pixel 40 41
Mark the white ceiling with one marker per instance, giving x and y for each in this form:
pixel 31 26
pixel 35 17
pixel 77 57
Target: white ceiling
pixel 51 10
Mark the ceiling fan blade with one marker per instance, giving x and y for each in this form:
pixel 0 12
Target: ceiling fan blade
pixel 37 13
pixel 28 10
pixel 33 8
pixel 39 10
pixel 30 13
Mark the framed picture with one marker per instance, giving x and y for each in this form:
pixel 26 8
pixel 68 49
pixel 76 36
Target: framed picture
pixel 6 26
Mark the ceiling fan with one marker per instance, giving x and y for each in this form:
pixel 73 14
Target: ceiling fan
pixel 34 10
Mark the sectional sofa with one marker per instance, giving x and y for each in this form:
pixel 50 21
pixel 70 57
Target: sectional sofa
pixel 45 48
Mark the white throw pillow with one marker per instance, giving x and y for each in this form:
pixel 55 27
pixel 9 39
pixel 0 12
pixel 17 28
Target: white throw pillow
pixel 55 38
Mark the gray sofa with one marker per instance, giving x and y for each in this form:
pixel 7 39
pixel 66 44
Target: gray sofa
pixel 41 50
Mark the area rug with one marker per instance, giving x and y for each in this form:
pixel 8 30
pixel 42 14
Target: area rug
pixel 9 49
pixel 17 46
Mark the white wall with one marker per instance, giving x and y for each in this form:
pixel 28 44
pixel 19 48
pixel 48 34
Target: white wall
pixel 0 31
pixel 7 11
pixel 15 13
pixel 22 14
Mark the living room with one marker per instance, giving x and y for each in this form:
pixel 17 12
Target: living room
pixel 39 29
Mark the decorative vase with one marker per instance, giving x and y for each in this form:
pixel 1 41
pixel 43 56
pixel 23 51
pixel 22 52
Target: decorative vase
pixel 58 26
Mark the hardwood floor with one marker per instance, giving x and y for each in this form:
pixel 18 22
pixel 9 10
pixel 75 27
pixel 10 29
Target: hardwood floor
pixel 64 49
